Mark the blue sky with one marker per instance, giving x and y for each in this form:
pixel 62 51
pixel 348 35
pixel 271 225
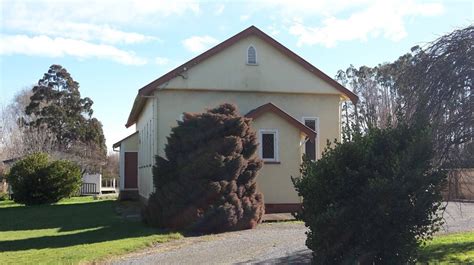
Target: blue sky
pixel 115 47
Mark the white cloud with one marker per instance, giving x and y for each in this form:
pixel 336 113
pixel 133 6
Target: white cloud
pixel 99 12
pixel 161 61
pixel 81 31
pixel 273 30
pixel 219 10
pixel 244 17
pixel 88 28
pixel 310 8
pixel 164 7
pixel 199 43
pixel 377 19
pixel 59 47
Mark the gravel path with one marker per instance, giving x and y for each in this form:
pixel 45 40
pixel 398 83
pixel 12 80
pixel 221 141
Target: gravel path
pixel 458 217
pixel 270 243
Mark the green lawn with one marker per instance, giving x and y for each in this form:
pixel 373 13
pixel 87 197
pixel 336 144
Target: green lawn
pixel 449 249
pixel 77 230
pixel 81 230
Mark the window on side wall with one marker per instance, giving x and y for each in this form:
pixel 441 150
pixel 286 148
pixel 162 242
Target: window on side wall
pixel 311 144
pixel 140 148
pixel 269 145
pixel 147 142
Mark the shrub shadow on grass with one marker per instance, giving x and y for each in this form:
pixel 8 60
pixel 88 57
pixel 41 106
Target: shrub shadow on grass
pixel 98 235
pixel 66 217
pixel 94 222
pixel 441 252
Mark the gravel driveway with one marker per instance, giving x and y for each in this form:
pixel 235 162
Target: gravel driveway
pixel 270 243
pixel 458 217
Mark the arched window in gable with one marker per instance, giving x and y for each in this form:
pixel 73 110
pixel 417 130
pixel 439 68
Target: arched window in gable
pixel 251 55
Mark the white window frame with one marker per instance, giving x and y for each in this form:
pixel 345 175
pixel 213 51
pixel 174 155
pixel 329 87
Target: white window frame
pixel 247 57
pixel 316 119
pixel 275 143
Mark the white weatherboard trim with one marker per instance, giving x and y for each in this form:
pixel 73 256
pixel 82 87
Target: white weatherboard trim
pixel 316 119
pixel 275 143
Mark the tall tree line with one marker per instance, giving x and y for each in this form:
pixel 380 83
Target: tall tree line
pixel 431 84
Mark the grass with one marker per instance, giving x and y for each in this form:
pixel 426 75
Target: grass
pixel 449 249
pixel 84 230
pixel 76 230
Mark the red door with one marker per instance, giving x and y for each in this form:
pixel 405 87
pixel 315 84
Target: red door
pixel 131 170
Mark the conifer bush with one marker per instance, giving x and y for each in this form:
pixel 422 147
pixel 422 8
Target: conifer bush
pixel 207 182
pixel 372 200
pixel 36 180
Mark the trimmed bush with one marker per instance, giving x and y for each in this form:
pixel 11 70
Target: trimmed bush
pixel 207 183
pixel 36 180
pixel 372 200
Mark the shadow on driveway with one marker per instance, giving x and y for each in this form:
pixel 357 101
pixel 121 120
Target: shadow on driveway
pixel 297 257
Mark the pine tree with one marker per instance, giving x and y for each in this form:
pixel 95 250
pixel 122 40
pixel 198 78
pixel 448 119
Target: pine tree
pixel 56 104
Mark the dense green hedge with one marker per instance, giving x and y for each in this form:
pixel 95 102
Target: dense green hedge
pixel 372 200
pixel 37 180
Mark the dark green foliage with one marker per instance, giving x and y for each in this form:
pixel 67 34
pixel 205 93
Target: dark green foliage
pixel 207 183
pixel 56 104
pixel 3 196
pixel 374 199
pixel 36 180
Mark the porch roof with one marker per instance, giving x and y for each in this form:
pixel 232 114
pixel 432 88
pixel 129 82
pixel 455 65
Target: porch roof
pixel 270 107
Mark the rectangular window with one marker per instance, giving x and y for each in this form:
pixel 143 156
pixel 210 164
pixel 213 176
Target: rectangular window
pixel 269 145
pixel 310 145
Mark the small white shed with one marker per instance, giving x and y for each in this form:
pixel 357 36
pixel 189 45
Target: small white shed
pixel 94 184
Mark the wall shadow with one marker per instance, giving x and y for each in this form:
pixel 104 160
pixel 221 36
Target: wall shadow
pixel 297 257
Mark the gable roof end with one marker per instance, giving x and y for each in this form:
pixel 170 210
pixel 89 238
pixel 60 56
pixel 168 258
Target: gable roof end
pixel 270 107
pixel 117 144
pixel 252 30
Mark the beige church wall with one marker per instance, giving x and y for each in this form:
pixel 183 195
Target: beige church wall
pixel 170 104
pixel 274 72
pixel 147 141
pixel 274 180
pixel 226 77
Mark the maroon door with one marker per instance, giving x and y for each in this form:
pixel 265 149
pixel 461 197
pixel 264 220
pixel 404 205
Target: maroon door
pixel 131 170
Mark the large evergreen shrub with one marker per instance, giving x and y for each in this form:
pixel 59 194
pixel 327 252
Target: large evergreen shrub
pixel 207 183
pixel 372 200
pixel 36 180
